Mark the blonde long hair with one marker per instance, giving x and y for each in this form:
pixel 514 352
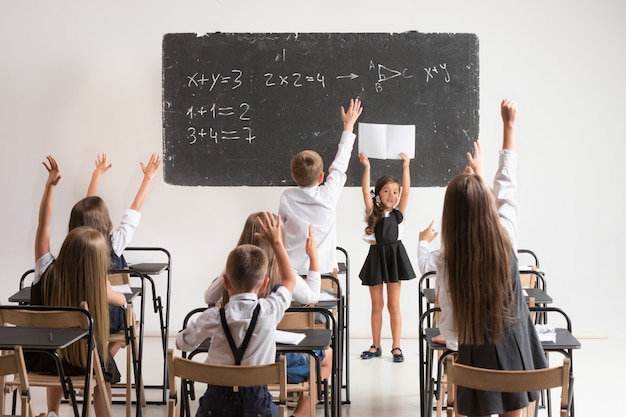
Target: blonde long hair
pixel 477 255
pixel 250 227
pixel 79 274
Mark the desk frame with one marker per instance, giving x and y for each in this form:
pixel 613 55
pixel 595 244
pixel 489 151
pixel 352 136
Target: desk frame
pixel 164 316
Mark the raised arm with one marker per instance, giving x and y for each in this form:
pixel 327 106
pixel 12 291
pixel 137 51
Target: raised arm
pixel 270 232
pixel 406 183
pixel 365 183
pixel 508 109
pixel 102 166
pixel 42 235
pixel 311 250
pixel 350 116
pixel 149 170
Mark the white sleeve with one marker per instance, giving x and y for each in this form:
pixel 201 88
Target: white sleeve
pixel 42 264
pixel 505 191
pixel 426 260
pixel 124 233
pixel 446 320
pixel 307 291
pixel 214 293
pixel 337 171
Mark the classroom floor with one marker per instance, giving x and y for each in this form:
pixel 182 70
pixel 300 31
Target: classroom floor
pixel 380 387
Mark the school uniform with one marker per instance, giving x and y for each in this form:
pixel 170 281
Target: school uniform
pixel 387 260
pixel 301 206
pixel 519 348
pixel 260 350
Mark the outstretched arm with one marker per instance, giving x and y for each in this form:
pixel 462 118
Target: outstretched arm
pixel 148 172
pixel 349 117
pixel 406 183
pixel 102 166
pixel 365 182
pixel 508 109
pixel 270 232
pixel 42 236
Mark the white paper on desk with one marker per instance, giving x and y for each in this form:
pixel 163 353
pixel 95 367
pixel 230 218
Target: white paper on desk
pixel 382 141
pixel 324 296
pixel 546 333
pixel 123 288
pixel 289 338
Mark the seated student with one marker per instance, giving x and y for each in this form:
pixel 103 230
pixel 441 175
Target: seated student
pixel 245 277
pixel 491 329
pixel 305 292
pixel 79 273
pixel 92 211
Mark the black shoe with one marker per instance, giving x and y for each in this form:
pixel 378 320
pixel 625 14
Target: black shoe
pixel 397 357
pixel 369 354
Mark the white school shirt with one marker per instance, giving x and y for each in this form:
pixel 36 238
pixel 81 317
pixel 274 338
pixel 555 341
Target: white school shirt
pixel 261 349
pixel 301 206
pixel 121 237
pixel 505 190
pixel 306 291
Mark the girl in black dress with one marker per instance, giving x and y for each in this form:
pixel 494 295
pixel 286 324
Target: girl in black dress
pixel 387 261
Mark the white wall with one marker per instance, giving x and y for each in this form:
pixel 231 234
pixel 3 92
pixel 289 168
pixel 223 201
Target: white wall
pixel 80 77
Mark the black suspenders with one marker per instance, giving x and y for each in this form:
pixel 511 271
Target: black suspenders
pixel 239 351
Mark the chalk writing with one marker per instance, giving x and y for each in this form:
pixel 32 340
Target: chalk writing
pixel 434 70
pixel 198 80
pixel 215 111
pixel 295 79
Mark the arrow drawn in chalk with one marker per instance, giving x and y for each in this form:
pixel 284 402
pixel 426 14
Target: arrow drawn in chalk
pixel 352 76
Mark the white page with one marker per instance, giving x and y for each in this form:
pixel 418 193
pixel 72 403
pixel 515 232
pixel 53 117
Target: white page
pixel 400 139
pixel 289 338
pixel 382 141
pixel 372 140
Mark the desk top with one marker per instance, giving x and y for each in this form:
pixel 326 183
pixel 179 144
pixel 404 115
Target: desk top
pixel 149 268
pixel 40 337
pixel 541 297
pixel 564 340
pixel 314 339
pixel 23 295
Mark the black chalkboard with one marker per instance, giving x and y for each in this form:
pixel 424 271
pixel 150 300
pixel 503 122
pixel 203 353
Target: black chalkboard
pixel 237 106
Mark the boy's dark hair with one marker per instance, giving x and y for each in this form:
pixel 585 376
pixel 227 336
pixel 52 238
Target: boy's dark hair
pixel 246 267
pixel 306 167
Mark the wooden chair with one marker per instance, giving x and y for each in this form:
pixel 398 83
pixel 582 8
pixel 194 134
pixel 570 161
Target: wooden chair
pixel 62 317
pixel 224 375
pixel 293 321
pixel 508 381
pixel 127 337
pixel 13 364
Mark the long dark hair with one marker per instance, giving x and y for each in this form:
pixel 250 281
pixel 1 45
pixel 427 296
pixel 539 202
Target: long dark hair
pixel 477 255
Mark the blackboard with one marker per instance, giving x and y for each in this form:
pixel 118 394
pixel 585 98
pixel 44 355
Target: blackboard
pixel 238 106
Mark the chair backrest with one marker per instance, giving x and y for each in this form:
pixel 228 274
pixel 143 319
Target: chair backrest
pixel 13 364
pixel 508 381
pixel 297 320
pixel 119 278
pixel 224 375
pixel 41 316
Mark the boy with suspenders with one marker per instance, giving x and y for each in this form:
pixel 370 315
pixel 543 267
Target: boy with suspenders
pixel 243 331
